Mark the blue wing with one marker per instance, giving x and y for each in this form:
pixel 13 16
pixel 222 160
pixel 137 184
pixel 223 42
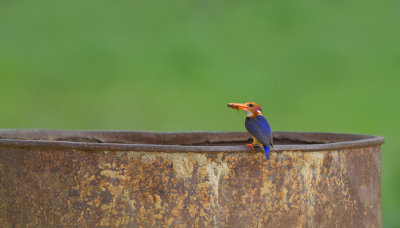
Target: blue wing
pixel 259 127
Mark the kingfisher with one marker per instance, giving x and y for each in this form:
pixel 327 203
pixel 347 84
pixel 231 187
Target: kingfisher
pixel 256 125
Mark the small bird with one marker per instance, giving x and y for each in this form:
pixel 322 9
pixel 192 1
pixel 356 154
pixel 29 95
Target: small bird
pixel 256 125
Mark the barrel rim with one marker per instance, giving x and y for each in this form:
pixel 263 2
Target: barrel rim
pixel 15 140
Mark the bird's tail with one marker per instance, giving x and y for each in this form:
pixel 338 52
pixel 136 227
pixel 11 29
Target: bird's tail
pixel 267 149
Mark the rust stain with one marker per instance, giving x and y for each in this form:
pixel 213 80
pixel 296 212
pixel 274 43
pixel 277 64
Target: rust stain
pixel 73 187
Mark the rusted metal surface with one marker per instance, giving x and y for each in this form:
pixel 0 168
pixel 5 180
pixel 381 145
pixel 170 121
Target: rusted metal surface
pixel 144 179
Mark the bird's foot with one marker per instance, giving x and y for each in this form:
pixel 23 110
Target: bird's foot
pixel 251 146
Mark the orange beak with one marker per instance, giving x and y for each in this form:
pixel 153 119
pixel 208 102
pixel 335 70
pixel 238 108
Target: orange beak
pixel 237 106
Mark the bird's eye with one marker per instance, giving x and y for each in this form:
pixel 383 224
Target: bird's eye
pixel 251 105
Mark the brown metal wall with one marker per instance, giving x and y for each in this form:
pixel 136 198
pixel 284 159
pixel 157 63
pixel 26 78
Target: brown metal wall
pixel 49 187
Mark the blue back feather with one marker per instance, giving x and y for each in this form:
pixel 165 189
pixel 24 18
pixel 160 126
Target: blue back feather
pixel 259 127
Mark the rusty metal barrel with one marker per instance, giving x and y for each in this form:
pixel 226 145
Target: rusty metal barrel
pixel 193 179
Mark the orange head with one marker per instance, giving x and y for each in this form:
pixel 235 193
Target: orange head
pixel 251 108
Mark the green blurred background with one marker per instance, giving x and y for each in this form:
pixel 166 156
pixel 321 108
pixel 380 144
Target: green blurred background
pixel 327 66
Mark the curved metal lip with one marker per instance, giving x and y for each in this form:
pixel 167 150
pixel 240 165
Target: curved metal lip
pixel 26 139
